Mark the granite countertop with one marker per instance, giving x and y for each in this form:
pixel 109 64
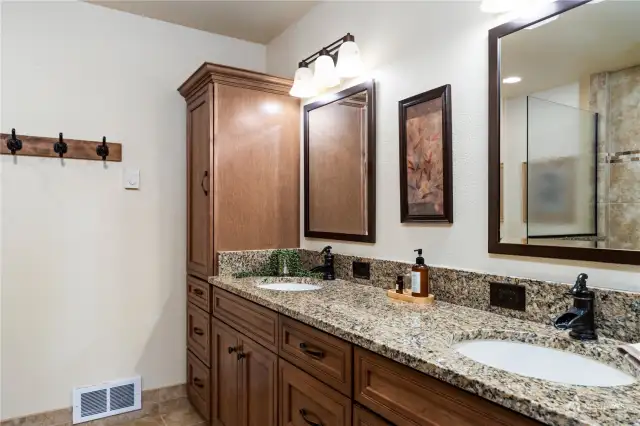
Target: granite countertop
pixel 421 337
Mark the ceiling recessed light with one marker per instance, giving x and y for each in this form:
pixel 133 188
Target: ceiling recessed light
pixel 511 80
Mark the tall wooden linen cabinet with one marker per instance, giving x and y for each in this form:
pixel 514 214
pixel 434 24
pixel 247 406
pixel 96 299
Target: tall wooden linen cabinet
pixel 243 193
pixel 243 164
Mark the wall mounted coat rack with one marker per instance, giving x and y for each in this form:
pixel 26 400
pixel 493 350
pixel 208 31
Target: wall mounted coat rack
pixel 40 146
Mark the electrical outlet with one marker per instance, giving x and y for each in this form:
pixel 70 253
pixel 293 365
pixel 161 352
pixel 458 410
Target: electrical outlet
pixel 362 270
pixel 509 296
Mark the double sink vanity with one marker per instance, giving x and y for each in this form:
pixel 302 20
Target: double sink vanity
pixel 300 351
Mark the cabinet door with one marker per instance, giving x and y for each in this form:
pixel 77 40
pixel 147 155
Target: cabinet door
pixel 200 253
pixel 259 385
pixel 225 384
pixel 305 401
pixel 257 173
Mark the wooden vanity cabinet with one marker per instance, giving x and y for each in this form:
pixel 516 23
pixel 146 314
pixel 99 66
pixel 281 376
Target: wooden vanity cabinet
pixel 243 164
pixel 271 370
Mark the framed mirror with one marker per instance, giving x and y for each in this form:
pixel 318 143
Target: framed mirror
pixel 564 133
pixel 339 165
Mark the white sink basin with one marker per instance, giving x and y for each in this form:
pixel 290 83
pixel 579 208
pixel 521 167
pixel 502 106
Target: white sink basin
pixel 543 363
pixel 290 286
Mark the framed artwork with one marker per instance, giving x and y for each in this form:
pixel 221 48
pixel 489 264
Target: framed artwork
pixel 426 189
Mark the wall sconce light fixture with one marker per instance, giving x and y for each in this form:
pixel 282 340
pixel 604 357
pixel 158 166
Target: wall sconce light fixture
pixel 340 59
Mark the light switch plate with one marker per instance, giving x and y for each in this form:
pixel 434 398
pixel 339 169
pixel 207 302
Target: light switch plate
pixel 131 178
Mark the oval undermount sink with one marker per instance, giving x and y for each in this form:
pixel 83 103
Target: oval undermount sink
pixel 543 363
pixel 290 286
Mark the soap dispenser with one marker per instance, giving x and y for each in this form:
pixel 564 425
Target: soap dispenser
pixel 420 277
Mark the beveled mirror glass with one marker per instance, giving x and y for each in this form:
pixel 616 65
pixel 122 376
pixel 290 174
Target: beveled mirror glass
pixel 339 155
pixel 565 133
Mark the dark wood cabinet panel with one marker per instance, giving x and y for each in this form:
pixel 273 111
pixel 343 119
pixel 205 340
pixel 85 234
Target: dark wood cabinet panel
pixel 225 383
pixel 198 333
pixel 200 251
pixel 364 417
pixel 259 385
pixel 410 398
pixel 320 354
pixel 199 293
pixel 199 385
pixel 255 321
pixel 305 401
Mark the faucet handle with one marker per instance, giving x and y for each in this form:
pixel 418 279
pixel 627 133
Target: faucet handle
pixel 327 250
pixel 580 286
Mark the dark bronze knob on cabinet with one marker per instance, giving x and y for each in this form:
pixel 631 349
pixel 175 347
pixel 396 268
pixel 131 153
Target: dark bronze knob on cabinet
pixel 198 331
pixel 198 292
pixel 232 349
pixel 304 415
pixel 198 382
pixel 241 355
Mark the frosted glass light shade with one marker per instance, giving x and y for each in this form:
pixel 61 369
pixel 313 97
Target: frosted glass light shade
pixel 349 62
pixel 325 73
pixel 303 85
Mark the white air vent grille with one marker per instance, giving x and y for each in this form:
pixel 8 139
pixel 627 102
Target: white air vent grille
pixel 106 399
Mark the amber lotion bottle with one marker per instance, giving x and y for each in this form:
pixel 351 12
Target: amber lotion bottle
pixel 419 277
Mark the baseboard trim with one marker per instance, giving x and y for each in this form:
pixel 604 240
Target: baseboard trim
pixel 154 402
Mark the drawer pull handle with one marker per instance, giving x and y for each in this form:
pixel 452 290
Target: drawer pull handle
pixel 198 382
pixel 198 292
pixel 313 353
pixel 303 413
pixel 241 355
pixel 198 331
pixel 232 349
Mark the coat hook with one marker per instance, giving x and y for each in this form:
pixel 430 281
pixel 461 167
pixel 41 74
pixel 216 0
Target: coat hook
pixel 14 144
pixel 103 150
pixel 60 147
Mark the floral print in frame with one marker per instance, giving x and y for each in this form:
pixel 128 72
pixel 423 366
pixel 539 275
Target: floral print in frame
pixel 425 157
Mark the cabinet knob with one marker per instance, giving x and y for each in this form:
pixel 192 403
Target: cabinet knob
pixel 241 355
pixel 313 353
pixel 232 349
pixel 198 331
pixel 198 292
pixel 198 382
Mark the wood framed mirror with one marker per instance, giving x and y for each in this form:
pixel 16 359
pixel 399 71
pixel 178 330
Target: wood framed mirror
pixel 564 133
pixel 339 165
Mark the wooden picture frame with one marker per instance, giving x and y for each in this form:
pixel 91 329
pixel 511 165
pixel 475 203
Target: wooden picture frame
pixel 426 161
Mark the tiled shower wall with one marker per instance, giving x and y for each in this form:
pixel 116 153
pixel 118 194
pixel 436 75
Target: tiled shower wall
pixel 616 97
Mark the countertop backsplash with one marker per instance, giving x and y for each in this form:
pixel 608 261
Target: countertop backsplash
pixel 617 312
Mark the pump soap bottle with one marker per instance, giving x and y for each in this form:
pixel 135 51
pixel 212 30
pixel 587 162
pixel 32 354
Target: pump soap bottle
pixel 420 277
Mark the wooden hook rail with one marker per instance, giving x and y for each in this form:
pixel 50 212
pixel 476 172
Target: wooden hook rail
pixel 39 146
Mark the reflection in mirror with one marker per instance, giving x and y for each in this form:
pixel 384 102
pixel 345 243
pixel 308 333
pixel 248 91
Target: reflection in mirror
pixel 570 129
pixel 338 154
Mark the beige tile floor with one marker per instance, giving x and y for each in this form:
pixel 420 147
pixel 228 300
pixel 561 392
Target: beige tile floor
pixel 182 416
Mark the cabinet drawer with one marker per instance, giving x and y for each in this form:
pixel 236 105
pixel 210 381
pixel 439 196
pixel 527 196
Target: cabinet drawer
pixel 198 333
pixel 323 356
pixel 363 417
pixel 409 398
pixel 307 401
pixel 198 385
pixel 199 293
pixel 261 324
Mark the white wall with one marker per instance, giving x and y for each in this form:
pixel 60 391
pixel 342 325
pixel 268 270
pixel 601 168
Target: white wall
pixel 93 276
pixel 409 48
